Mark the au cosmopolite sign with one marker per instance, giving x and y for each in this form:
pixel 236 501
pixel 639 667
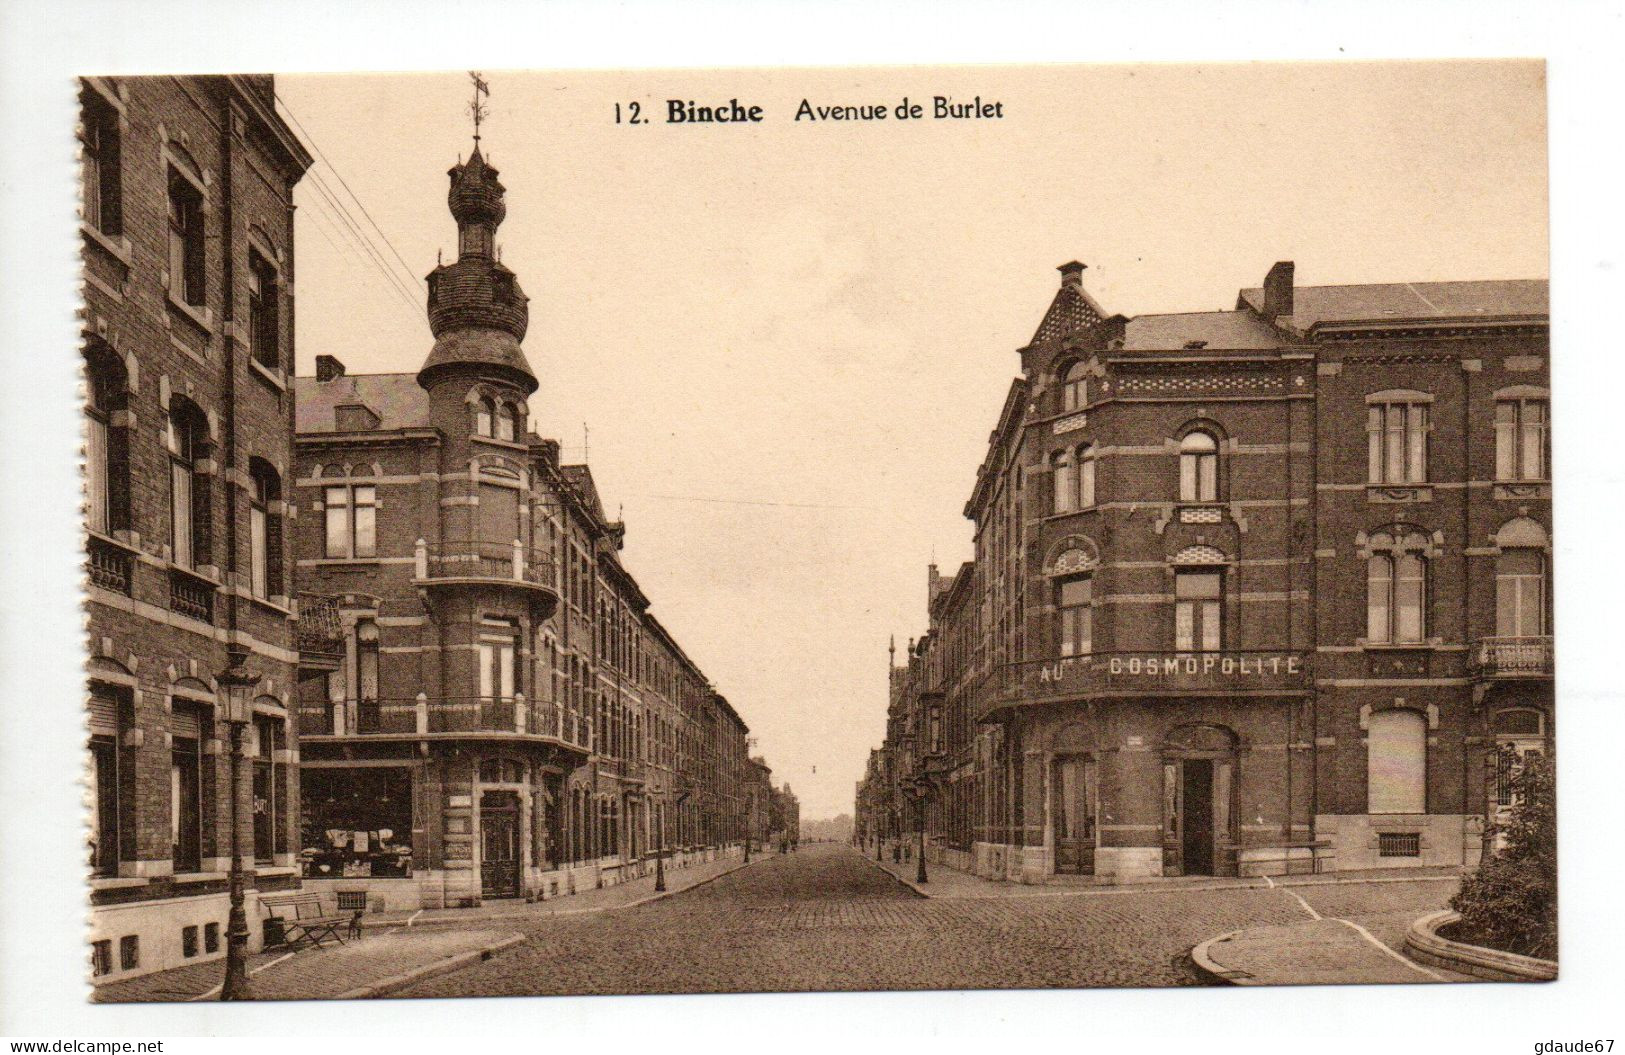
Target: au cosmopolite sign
pixel 1216 671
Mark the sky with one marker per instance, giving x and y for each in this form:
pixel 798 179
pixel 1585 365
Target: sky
pixel 781 345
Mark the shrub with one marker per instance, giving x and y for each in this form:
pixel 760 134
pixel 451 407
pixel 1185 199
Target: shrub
pixel 1510 902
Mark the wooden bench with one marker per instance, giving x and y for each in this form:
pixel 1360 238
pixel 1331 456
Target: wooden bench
pixel 305 921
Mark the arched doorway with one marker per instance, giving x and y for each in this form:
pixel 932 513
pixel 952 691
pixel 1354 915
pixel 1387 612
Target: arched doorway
pixel 1198 786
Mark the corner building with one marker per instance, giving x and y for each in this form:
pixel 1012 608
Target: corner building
pixel 1258 591
pixel 188 256
pixel 487 705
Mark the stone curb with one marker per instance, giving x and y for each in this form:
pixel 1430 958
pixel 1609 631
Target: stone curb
pixel 396 982
pixel 515 917
pixel 1424 944
pixel 1202 957
pixel 1242 883
pixel 906 884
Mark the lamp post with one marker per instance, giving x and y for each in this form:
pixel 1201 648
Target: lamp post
pixel 236 681
pixel 922 788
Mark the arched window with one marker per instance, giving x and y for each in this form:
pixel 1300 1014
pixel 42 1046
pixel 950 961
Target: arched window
pixel 1396 589
pixel 1396 762
pixel 1198 468
pixel 505 422
pixel 484 414
pixel 1075 387
pixel 265 530
pixel 187 440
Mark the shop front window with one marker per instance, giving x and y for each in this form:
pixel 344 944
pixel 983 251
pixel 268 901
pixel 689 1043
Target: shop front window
pixel 356 823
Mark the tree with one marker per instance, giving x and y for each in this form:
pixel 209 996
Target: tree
pixel 1510 902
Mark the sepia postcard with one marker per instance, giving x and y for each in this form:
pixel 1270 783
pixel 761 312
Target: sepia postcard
pixel 927 528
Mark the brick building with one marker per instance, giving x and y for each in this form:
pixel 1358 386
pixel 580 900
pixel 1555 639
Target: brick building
pixel 187 224
pixel 489 708
pixel 1256 591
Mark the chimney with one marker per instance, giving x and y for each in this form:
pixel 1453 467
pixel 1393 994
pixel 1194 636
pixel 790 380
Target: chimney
pixel 1072 273
pixel 328 368
pixel 1278 290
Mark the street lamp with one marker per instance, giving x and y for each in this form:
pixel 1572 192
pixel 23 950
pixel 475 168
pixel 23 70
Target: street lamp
pixel 922 788
pixel 236 682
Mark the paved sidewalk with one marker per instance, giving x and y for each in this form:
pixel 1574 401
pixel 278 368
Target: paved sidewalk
pixel 604 899
pixel 1316 952
pixel 372 966
pixel 947 882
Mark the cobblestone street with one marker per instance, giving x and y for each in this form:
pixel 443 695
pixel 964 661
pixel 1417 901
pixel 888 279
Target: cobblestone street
pixel 828 919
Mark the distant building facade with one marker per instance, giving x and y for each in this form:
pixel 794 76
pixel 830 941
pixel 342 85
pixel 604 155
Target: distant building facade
pixel 1259 591
pixel 489 709
pixel 188 255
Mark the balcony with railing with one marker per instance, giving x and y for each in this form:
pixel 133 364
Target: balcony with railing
pixel 1227 673
pixel 320 632
pixel 1515 657
pixel 484 564
pixel 191 595
pixel 110 564
pixel 444 717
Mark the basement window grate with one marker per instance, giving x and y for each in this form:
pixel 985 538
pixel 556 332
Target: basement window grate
pixel 1399 844
pixel 352 901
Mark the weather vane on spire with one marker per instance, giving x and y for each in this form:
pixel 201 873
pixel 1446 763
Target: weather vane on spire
pixel 477 109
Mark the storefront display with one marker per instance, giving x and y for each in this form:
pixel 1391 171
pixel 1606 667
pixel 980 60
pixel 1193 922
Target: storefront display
pixel 357 823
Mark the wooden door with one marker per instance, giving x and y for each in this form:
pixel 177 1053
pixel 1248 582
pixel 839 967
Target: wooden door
pixel 499 844
pixel 1196 816
pixel 1073 818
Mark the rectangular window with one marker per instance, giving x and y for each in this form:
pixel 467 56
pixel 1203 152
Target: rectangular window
pixel 1379 599
pixel 1066 495
pixel 189 941
pixel 259 565
pixel 102 178
pixel 1520 440
pixel 101 957
pixel 1409 595
pixel 1397 443
pixel 211 937
pixel 180 512
pixel 96 487
pixel 1520 601
pixel 356 823
pixel 352 525
pixel 129 952
pixel 264 331
pixel 496 651
pixel 185 239
pixel 1074 597
pixel 1086 479
pixel 1198 611
pixel 499 514
pixel 1396 765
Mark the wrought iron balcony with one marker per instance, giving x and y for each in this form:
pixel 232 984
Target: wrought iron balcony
pixel 1515 657
pixel 321 632
pixel 481 563
pixel 428 717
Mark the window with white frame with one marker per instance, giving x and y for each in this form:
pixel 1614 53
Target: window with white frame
pixel 1397 438
pixel 1074 598
pixel 505 422
pixel 351 512
pixel 1521 592
pixel 1066 483
pixel 1198 467
pixel 1198 609
pixel 1397 588
pixel 497 644
pixel 1521 441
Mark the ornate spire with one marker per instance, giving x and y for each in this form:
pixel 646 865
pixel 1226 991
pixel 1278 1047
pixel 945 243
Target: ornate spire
pixel 477 311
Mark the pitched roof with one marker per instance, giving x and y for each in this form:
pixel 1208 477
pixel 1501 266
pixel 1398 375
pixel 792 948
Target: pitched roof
pixel 398 400
pixel 580 477
pixel 1401 301
pixel 1226 330
pixel 1071 310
